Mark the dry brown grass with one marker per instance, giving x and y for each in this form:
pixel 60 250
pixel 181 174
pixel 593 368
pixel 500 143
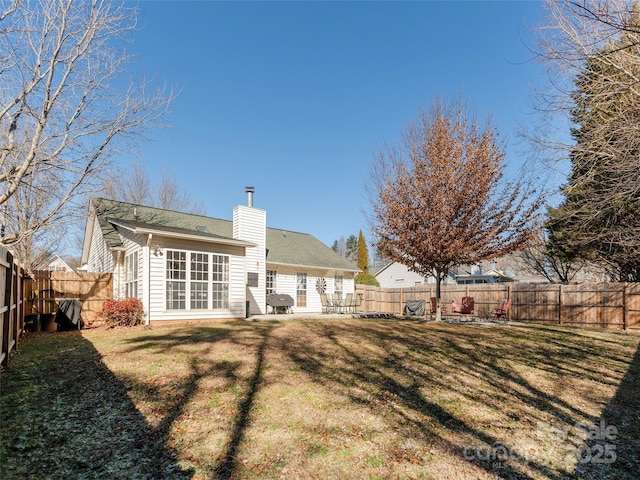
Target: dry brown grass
pixel 355 399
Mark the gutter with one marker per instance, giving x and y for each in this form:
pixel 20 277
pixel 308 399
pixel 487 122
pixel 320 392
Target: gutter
pixel 147 320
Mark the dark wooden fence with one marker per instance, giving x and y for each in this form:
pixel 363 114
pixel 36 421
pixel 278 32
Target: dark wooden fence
pixel 12 304
pixel 602 305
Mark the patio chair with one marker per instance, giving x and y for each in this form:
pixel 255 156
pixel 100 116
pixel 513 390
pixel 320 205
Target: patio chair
pixel 502 310
pixel 336 302
pixel 357 301
pixel 463 308
pixel 348 301
pixel 443 308
pixel 326 305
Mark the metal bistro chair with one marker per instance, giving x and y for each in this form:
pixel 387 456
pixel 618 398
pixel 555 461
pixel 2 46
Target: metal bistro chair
pixel 348 301
pixel 338 303
pixel 357 301
pixel 326 305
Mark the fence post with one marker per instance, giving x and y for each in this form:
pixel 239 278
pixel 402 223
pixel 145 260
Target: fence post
pixel 560 298
pixel 624 306
pixel 8 300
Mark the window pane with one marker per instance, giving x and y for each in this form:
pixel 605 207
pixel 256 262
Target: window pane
pixel 301 290
pixel 199 295
pixel 176 295
pixel 271 281
pixel 200 266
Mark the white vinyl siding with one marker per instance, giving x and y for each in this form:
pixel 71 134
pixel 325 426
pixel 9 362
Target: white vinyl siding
pixel 100 259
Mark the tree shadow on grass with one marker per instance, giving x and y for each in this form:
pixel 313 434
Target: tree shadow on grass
pixel 252 339
pixel 613 451
pixel 65 415
pixel 391 383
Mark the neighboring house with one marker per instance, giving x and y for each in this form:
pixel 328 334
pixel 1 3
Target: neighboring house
pixel 396 275
pixel 185 266
pixel 479 276
pixel 55 264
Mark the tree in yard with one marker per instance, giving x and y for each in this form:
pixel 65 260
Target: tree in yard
pixel 64 112
pixel 136 187
pixel 438 198
pixel 352 249
pixel 593 49
pixel 363 254
pixel 548 259
pixel 364 277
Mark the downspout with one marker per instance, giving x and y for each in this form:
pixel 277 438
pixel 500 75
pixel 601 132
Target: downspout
pixel 147 321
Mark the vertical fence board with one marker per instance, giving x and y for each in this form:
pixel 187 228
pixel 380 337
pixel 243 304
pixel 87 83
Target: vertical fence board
pixel 92 289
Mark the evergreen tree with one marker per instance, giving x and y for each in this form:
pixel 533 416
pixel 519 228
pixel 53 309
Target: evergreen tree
pixel 352 249
pixel 363 254
pixel 599 219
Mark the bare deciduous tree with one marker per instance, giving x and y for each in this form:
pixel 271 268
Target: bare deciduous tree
pixel 540 257
pixel 136 186
pixel 439 201
pixel 65 107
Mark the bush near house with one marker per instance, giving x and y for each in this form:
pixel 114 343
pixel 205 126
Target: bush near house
pixel 127 312
pixel 366 279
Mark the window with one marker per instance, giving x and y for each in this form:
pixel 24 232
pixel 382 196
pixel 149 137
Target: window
pixel 272 285
pixel 220 281
pixel 176 280
pixel 338 279
pixel 131 274
pixel 301 290
pixel 199 281
pixel 204 279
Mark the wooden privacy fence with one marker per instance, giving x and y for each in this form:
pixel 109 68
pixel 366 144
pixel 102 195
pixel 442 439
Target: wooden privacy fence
pixel 12 304
pixel 45 289
pixel 600 305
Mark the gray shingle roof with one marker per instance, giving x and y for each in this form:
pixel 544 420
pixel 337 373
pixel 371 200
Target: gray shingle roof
pixel 283 246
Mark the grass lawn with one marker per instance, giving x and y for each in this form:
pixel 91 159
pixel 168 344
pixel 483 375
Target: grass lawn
pixel 323 399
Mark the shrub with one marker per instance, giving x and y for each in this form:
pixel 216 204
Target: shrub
pixel 127 312
pixel 366 279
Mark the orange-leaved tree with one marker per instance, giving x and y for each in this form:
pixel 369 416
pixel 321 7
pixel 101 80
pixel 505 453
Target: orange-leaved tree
pixel 439 199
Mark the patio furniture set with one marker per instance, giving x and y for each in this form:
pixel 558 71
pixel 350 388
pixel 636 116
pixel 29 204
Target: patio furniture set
pixel 334 303
pixel 458 309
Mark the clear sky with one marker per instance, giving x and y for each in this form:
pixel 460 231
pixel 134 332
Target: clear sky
pixel 296 98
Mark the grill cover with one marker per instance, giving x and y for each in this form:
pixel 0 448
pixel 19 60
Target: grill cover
pixel 414 308
pixel 68 316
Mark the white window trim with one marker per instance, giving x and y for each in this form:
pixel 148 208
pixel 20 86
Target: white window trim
pixel 210 281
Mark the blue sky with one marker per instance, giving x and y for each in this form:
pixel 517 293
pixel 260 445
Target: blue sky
pixel 296 98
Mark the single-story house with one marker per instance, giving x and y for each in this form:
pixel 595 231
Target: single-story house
pixel 397 275
pixel 185 266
